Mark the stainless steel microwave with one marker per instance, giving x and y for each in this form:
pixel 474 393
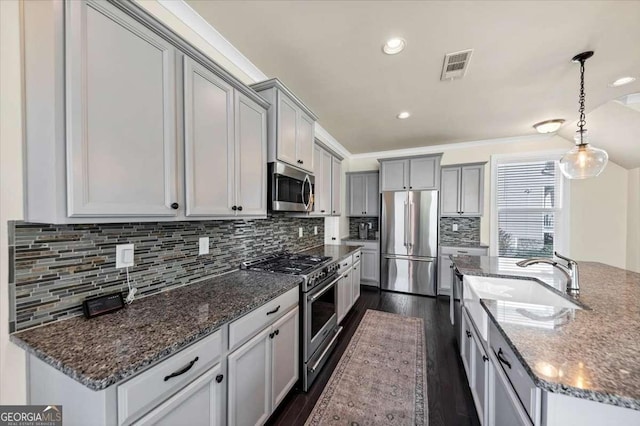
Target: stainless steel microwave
pixel 290 189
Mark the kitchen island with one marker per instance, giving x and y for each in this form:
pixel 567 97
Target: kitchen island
pixel 589 354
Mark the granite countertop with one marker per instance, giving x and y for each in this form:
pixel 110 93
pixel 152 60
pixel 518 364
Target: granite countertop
pixel 104 350
pixel 589 353
pixel 335 251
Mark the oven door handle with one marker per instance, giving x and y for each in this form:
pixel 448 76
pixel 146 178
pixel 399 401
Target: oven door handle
pixel 317 295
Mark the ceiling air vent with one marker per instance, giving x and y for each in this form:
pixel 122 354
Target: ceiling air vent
pixel 455 64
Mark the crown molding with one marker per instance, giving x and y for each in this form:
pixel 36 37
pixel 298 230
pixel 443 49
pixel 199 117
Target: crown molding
pixel 434 149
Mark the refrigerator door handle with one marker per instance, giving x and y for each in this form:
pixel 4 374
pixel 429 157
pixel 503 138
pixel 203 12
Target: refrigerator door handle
pixel 405 223
pixel 410 224
pixel 412 258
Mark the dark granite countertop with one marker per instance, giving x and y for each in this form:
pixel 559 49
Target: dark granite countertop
pixel 585 353
pixel 151 328
pixel 335 251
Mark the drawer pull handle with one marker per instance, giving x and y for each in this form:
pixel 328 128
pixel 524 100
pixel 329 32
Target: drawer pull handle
pixel 502 360
pixel 182 371
pixel 462 251
pixel 219 378
pixel 468 334
pixel 345 264
pixel 274 311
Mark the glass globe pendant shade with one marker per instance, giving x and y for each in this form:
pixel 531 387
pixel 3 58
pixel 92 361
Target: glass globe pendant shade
pixel 583 161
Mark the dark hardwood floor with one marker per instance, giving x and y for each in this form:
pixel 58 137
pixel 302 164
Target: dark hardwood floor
pixel 450 401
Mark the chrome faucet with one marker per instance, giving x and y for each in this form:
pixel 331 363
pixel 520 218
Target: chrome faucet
pixel 570 270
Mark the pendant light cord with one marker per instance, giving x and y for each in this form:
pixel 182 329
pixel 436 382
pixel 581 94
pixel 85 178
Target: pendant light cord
pixel 583 121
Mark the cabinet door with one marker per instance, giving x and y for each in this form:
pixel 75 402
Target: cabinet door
pixel 372 191
pixel 120 115
pixel 357 196
pixel 304 142
pixel 504 408
pixel 318 187
pixel 450 192
pixel 344 295
pixel 285 349
pixel 197 404
pixel 465 349
pixel 251 157
pixel 472 191
pixel 424 173
pixel 286 130
pixel 355 282
pixel 369 269
pixel 444 275
pixel 336 176
pixel 394 175
pixel 480 375
pixel 209 142
pixel 249 398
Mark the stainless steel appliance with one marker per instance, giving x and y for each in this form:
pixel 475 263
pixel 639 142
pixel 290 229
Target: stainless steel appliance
pixel 318 303
pixel 290 189
pixel 409 244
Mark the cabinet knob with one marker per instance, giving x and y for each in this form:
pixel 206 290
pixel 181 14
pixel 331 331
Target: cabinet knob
pixel 468 334
pixel 411 187
pixel 484 358
pixel 334 211
pixel 404 187
pixel 239 208
pixel 321 211
pixel 175 206
pixel 234 208
pixel 219 378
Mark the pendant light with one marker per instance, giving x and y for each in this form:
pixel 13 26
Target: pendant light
pixel 583 161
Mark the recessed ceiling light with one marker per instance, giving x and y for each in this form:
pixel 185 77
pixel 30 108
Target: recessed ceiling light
pixel 622 81
pixel 548 126
pixel 394 45
pixel 403 115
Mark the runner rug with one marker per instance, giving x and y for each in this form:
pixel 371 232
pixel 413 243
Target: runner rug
pixel 381 377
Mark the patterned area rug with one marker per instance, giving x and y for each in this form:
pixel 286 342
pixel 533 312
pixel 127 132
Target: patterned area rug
pixel 381 377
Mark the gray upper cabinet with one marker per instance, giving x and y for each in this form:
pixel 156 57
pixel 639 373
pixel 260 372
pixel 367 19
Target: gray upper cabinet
pixel 209 142
pixel 363 194
pixel 462 190
pixel 336 193
pixel 291 126
pixel 322 188
pixel 125 121
pixel 121 118
pixel 419 173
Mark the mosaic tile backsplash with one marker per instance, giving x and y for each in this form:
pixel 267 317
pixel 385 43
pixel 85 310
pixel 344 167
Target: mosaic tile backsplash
pixel 354 223
pixel 468 232
pixel 53 268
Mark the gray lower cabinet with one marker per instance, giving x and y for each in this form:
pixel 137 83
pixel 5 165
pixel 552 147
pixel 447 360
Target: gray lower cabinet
pixel 345 294
pixel 476 365
pixel 462 190
pixel 363 194
pixel 355 281
pixel 419 173
pixel 370 269
pixel 198 404
pixel 121 117
pixel 124 121
pixel 504 406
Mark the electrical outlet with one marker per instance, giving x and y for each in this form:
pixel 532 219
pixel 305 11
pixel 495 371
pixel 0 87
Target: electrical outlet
pixel 203 245
pixel 315 230
pixel 124 255
pixel 454 227
pixel 300 232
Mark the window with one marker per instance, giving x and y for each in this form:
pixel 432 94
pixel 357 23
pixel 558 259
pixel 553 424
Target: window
pixel 528 198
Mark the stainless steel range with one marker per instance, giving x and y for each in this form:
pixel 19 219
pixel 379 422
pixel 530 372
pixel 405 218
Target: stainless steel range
pixel 318 303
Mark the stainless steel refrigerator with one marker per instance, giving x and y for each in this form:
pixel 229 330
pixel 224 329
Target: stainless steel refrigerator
pixel 409 243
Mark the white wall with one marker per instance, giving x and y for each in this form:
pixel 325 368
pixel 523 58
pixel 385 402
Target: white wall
pixel 633 221
pixel 12 359
pixel 598 211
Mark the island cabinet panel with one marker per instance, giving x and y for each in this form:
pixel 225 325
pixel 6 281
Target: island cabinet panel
pixel 120 115
pixel 209 142
pixel 198 404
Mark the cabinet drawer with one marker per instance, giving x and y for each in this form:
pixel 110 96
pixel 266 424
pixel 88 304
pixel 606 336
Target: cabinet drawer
pixel 246 327
pixel 356 256
pixel 143 392
pixel 460 251
pixel 345 264
pixel 522 384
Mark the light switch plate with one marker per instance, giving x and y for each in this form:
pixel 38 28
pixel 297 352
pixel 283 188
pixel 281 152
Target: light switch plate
pixel 124 255
pixel 454 227
pixel 203 245
pixel 300 232
pixel 315 230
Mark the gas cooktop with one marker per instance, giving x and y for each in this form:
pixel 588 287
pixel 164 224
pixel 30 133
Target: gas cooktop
pixel 287 263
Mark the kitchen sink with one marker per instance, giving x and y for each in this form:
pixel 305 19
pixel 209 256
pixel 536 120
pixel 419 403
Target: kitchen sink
pixel 522 297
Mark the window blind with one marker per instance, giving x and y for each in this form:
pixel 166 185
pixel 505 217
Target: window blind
pixel 527 208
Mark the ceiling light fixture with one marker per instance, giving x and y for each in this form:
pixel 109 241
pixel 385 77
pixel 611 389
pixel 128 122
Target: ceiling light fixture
pixel 394 45
pixel 403 115
pixel 622 81
pixel 549 126
pixel 583 161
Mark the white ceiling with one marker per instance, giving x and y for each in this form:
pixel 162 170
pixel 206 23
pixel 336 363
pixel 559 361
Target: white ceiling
pixel 329 54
